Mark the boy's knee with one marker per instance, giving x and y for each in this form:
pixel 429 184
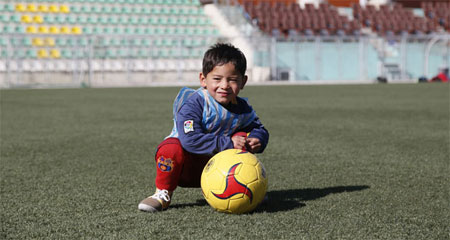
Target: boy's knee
pixel 170 149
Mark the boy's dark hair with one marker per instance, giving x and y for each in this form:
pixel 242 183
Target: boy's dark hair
pixel 223 53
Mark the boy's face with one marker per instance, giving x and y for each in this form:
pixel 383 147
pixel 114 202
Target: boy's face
pixel 223 83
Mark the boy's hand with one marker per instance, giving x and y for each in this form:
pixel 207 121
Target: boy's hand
pixel 253 145
pixel 239 141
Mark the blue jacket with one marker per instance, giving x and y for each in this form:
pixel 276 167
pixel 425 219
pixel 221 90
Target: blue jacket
pixel 205 127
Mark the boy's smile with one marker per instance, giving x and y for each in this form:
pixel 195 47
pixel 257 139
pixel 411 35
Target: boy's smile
pixel 223 83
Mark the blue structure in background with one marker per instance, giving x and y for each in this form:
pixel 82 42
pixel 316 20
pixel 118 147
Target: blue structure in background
pixel 356 61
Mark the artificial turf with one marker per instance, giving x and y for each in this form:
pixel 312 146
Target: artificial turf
pixel 344 162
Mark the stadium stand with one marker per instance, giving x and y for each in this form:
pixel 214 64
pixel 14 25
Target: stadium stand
pixel 114 29
pixel 288 18
pixel 146 39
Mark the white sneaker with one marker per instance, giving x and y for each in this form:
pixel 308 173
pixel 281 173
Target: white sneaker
pixel 157 202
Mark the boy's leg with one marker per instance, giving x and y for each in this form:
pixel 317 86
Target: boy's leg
pixel 192 170
pixel 169 158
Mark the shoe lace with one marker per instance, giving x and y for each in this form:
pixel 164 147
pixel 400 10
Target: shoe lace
pixel 161 194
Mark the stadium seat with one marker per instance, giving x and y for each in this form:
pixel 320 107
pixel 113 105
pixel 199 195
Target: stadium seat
pixel 43 29
pixel 26 19
pixel 31 53
pixel 42 53
pixel 55 53
pixel 42 8
pixel 30 29
pixel 27 42
pixel 66 53
pixel 49 41
pixel 8 7
pixel 76 30
pixel 15 18
pixel 61 42
pixel 21 7
pixel 64 9
pixel 65 30
pixel 38 42
pixel 53 9
pixel 32 8
pixel 38 19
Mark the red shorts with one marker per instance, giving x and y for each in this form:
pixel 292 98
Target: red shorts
pixel 177 167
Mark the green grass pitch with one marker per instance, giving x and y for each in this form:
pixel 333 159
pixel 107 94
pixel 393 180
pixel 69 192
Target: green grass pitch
pixel 344 162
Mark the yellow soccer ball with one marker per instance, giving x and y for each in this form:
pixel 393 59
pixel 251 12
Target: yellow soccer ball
pixel 234 181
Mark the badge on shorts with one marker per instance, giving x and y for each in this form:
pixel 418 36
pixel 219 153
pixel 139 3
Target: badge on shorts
pixel 188 126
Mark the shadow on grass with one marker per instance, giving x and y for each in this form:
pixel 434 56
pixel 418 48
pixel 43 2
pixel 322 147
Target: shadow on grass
pixel 198 203
pixel 285 200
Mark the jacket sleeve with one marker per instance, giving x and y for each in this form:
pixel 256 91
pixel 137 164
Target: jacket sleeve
pixel 192 136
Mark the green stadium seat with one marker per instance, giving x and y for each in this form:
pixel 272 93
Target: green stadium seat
pixel 60 19
pixel 123 20
pixel 3 42
pixel 165 11
pixel 171 21
pixel 92 19
pixel 126 10
pixel 96 9
pixel 20 29
pixel 83 41
pixel 81 19
pixel 104 42
pixel 135 42
pixel 9 7
pixel 71 19
pixel 4 18
pixel 155 11
pixel 145 42
pixel 143 21
pixel 15 18
pixel 4 53
pixel 87 30
pixel 8 29
pixel 106 10
pixel 97 30
pixel 75 9
pixel 85 9
pixel 118 30
pixel 61 42
pixel 139 30
pixel 133 20
pixel 116 10
pixel 71 42
pixel 146 11
pixel 123 52
pixel 162 21
pixel 66 53
pixel 108 30
pixel 157 31
pixel 31 53
pixel 49 19
pixel 19 53
pixel 26 42
pixel 108 20
pixel 114 42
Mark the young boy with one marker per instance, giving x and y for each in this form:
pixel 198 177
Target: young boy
pixel 206 121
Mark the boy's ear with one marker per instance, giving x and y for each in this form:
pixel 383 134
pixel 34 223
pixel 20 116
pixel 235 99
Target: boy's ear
pixel 244 81
pixel 202 79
